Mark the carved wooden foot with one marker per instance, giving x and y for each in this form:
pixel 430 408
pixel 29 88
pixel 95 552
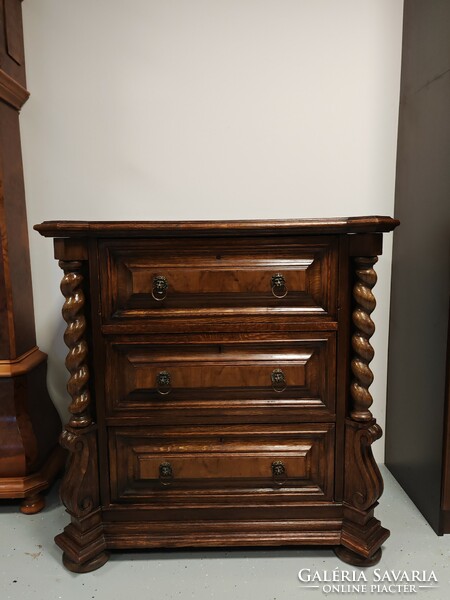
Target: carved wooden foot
pixel 33 504
pixel 357 560
pixel 90 565
pixel 362 533
pixel 83 551
pixel 83 543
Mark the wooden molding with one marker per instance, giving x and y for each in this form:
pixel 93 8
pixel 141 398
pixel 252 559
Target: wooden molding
pixel 71 249
pixel 30 487
pixel 96 229
pixel 12 92
pixel 21 487
pixel 23 364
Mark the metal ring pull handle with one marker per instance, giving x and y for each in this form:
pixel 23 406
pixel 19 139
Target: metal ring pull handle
pixel 279 474
pixel 278 380
pixel 163 385
pixel 160 286
pixel 279 289
pixel 165 473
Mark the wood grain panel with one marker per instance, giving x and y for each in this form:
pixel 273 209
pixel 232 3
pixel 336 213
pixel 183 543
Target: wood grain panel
pixel 230 379
pixel 14 30
pixel 17 331
pixel 208 465
pixel 215 278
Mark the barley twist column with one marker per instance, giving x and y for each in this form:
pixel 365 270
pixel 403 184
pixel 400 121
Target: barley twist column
pixel 365 303
pixel 74 337
pixel 82 541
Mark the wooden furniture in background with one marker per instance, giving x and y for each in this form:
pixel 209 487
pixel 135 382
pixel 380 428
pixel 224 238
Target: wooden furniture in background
pixel 210 376
pixel 418 412
pixel 30 456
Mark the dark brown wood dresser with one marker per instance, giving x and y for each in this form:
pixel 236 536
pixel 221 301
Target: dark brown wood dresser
pixel 219 376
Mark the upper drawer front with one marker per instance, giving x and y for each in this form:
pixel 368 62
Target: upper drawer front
pixel 176 380
pixel 207 464
pixel 183 278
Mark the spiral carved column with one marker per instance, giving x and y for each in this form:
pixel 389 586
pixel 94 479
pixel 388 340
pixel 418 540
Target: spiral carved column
pixel 365 303
pixel 74 337
pixel 362 533
pixel 82 541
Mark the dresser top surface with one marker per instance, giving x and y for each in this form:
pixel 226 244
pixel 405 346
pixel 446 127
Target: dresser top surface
pixel 207 228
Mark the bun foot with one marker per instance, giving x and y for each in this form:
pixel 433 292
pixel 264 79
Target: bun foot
pixel 32 504
pixel 88 566
pixel 350 557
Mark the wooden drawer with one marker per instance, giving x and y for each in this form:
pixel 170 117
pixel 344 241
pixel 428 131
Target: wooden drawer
pixel 195 278
pixel 221 379
pixel 204 464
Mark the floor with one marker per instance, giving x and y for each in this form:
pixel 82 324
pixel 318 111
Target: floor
pixel 31 566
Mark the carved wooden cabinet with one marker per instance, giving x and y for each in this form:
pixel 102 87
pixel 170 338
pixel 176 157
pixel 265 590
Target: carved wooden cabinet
pixel 219 376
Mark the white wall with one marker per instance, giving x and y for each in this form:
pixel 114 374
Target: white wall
pixel 208 109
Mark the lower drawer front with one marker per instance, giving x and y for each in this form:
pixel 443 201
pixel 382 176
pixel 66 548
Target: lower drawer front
pixel 211 464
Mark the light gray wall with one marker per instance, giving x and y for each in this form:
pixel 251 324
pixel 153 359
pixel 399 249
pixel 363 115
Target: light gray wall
pixel 208 109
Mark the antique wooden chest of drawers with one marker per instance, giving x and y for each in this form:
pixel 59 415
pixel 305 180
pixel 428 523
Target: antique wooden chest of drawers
pixel 219 376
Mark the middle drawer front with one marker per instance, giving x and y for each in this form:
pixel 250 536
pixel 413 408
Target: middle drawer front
pixel 242 379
